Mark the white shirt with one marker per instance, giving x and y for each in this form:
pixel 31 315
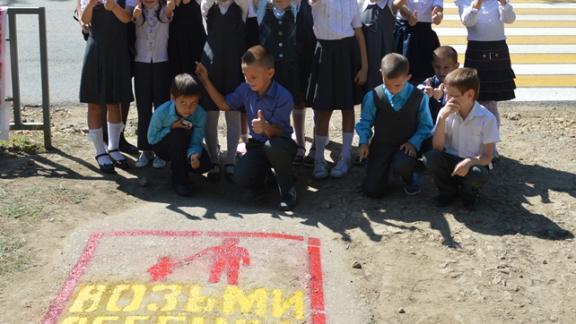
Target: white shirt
pixel 423 9
pixel 486 23
pixel 247 7
pixel 129 4
pixel 466 137
pixel 335 19
pixel 152 36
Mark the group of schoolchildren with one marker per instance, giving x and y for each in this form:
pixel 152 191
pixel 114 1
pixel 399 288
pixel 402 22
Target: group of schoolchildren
pixel 263 61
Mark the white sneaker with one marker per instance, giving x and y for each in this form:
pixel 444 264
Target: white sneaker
pixel 320 169
pixel 158 163
pixel 341 168
pixel 144 159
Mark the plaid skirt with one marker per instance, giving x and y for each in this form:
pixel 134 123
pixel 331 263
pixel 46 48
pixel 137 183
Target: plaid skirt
pixel 492 61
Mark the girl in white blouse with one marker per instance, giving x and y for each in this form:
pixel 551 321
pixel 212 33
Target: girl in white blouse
pixel 487 50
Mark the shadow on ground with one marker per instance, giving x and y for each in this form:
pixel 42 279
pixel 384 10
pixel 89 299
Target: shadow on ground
pixel 503 208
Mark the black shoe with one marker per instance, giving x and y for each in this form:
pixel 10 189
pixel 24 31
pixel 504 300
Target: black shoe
pixel 182 189
pixel 105 168
pixel 121 164
pixel 444 200
pixel 469 204
pixel 214 174
pixel 288 201
pixel 229 172
pixel 126 147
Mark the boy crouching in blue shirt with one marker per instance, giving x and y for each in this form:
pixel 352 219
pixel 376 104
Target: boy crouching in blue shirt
pixel 399 114
pixel 176 132
pixel 268 107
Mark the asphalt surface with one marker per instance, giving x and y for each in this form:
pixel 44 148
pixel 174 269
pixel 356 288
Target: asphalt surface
pixel 65 51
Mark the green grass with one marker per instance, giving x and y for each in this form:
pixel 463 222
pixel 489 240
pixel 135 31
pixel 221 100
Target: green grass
pixel 12 258
pixel 19 143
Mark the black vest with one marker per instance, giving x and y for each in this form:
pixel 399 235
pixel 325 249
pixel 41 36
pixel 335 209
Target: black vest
pixel 279 36
pixel 395 127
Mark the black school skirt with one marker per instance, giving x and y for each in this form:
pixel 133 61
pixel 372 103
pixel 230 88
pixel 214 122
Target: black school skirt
pixel 331 84
pixel 492 61
pixel 417 43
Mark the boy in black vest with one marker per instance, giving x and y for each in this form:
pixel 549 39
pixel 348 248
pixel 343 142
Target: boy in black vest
pixel 399 114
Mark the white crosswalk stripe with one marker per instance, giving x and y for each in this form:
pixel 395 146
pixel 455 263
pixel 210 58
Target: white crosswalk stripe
pixel 542 44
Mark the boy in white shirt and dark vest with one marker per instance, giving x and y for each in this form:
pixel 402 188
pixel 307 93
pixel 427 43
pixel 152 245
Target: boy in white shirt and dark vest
pixel 463 141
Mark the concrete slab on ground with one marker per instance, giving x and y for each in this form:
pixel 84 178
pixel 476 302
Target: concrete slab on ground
pixel 151 265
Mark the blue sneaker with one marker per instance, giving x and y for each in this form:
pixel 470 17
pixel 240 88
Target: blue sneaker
pixel 415 185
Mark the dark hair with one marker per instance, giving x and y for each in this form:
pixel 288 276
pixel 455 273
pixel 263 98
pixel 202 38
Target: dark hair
pixel 258 56
pixel 161 4
pixel 394 65
pixel 185 85
pixel 464 79
pixel 446 51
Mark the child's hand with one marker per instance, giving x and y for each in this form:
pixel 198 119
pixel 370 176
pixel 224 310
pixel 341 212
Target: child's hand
pixel 363 151
pixel 194 161
pixel 259 123
pixel 181 123
pixel 438 93
pixel 408 149
pixel 361 77
pixel 110 5
pixel 413 19
pixel 201 72
pixel 476 4
pixel 451 107
pixel 137 10
pixel 437 16
pixel 177 2
pixel 428 90
pixel 92 3
pixel 170 5
pixel 461 169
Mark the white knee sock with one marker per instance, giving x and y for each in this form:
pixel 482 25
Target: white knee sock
pixel 232 135
pixel 114 131
pixel 321 142
pixel 298 117
pixel 346 145
pixel 95 136
pixel 211 135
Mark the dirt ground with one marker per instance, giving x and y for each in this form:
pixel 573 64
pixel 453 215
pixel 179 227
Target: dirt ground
pixel 510 261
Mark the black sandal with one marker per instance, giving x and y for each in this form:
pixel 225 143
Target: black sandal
pixel 229 174
pixel 214 176
pixel 122 164
pixel 105 168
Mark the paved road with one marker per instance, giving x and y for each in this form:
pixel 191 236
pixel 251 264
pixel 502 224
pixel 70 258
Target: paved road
pixel 65 51
pixel 542 43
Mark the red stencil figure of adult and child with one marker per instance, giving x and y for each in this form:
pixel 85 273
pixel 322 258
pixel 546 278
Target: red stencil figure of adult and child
pixel 193 277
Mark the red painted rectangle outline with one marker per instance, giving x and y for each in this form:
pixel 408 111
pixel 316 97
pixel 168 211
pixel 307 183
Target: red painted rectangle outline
pixel 315 284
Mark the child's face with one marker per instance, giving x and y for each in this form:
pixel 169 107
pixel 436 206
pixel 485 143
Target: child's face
pixel 257 77
pixel 443 65
pixel 465 99
pixel 282 4
pixel 186 105
pixel 150 3
pixel 395 85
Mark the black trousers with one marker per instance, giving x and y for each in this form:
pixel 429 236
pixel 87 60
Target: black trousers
pixel 381 158
pixel 173 148
pixel 276 153
pixel 152 87
pixel 441 165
